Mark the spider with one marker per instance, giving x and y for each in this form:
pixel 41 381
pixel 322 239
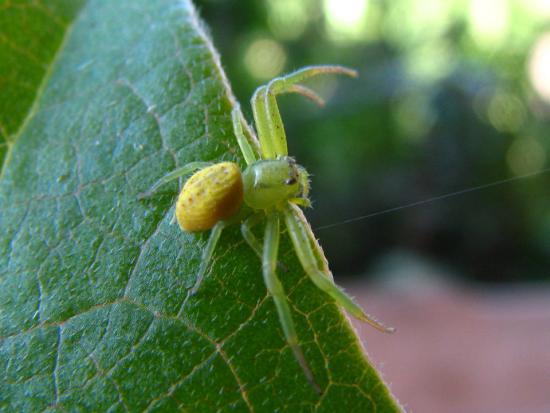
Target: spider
pixel 273 187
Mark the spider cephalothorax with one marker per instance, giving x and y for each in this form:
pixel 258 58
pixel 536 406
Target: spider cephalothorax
pixel 270 189
pixel 271 182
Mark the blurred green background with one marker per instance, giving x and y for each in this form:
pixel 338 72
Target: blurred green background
pixel 451 95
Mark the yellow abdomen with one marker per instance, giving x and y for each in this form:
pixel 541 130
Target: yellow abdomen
pixel 210 195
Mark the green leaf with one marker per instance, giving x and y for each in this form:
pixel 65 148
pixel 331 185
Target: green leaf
pixel 98 100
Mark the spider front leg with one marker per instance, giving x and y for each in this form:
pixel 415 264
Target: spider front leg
pixel 175 174
pixel 206 257
pixel 268 120
pixel 248 153
pixel 321 259
pixel 302 245
pixel 275 288
pixel 252 241
pixel 262 122
pixel 271 147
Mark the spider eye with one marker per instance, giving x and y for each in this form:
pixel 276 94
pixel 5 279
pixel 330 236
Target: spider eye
pixel 290 181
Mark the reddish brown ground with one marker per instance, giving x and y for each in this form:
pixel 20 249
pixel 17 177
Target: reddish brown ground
pixel 462 349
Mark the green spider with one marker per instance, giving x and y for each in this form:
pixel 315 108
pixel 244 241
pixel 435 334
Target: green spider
pixel 272 187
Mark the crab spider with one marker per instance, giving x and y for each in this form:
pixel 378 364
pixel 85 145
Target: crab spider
pixel 271 188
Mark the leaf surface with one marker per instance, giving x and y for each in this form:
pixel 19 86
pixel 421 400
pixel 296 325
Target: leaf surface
pixel 99 100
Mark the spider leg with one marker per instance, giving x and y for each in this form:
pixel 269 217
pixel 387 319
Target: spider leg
pixel 275 122
pixel 308 93
pixel 246 149
pixel 248 235
pixel 290 84
pixel 275 288
pixel 305 202
pixel 317 249
pixel 175 174
pixel 215 233
pixel 284 84
pixel 252 241
pixel 262 124
pixel 299 236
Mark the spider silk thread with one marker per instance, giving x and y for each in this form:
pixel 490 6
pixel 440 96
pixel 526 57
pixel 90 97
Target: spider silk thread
pixel 434 199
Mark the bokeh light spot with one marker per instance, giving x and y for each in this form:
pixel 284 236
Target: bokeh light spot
pixel 346 19
pixel 489 21
pixel 265 58
pixel 506 112
pixel 287 19
pixel 431 61
pixel 540 7
pixel 539 67
pixel 414 116
pixel 525 156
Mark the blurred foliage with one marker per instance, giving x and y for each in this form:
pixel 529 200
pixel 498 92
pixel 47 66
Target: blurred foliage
pixel 453 94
